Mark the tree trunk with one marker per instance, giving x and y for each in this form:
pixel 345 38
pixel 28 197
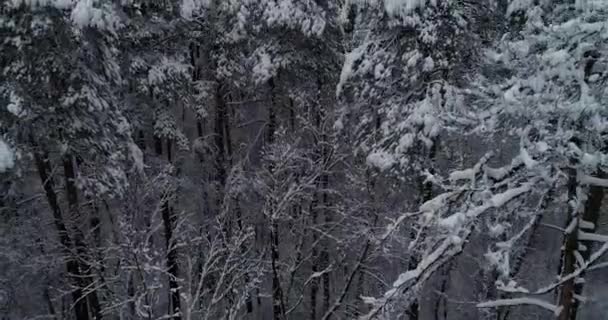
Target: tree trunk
pixel 49 303
pixel 327 214
pixel 81 249
pixel 568 264
pixel 48 183
pixel 278 306
pixel 314 284
pixel 168 224
pixel 426 190
pixel 220 157
pixel 591 213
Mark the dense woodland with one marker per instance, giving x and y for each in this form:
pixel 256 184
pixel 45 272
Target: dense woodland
pixel 304 159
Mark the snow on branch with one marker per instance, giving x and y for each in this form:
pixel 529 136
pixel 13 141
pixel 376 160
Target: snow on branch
pixel 522 301
pixel 586 236
pixel 450 245
pixel 593 181
pixel 584 266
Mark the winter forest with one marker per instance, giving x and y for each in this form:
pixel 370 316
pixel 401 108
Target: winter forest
pixel 304 159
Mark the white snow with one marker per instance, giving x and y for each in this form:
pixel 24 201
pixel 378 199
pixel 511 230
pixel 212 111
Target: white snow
pixel 403 7
pixel 467 174
pixel 511 287
pixel 379 71
pixel 187 8
pixel 558 57
pixel 405 142
pixel 496 230
pixel 516 5
pixel 137 156
pixel 339 124
pixel 593 181
pixel 571 226
pixel 500 260
pixel 7 157
pixel 522 301
pixel 86 14
pixel 586 225
pixel 83 13
pixel 15 105
pixel 527 159
pixel 347 68
pixel 263 70
pixel 426 262
pixel 435 203
pixel 413 60
pixel 429 64
pixel 542 146
pixel 511 94
pixel 452 222
pixel 381 160
pixel 587 236
pixel 590 160
pixel 499 200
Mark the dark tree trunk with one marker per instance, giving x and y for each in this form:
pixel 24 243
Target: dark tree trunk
pixel 168 224
pixel 81 249
pixel 131 293
pixel 568 263
pixel 426 195
pixel 141 140
pixel 49 303
pixel 314 284
pixel 327 214
pixel 591 213
pixel 48 183
pixel 219 137
pixel 272 117
pixel 278 305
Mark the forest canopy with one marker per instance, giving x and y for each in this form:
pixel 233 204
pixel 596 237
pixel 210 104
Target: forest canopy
pixel 303 159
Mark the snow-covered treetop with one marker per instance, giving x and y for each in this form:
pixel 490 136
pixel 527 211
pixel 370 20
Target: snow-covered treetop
pixel 61 81
pixel 98 14
pixel 404 75
pixel 557 86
